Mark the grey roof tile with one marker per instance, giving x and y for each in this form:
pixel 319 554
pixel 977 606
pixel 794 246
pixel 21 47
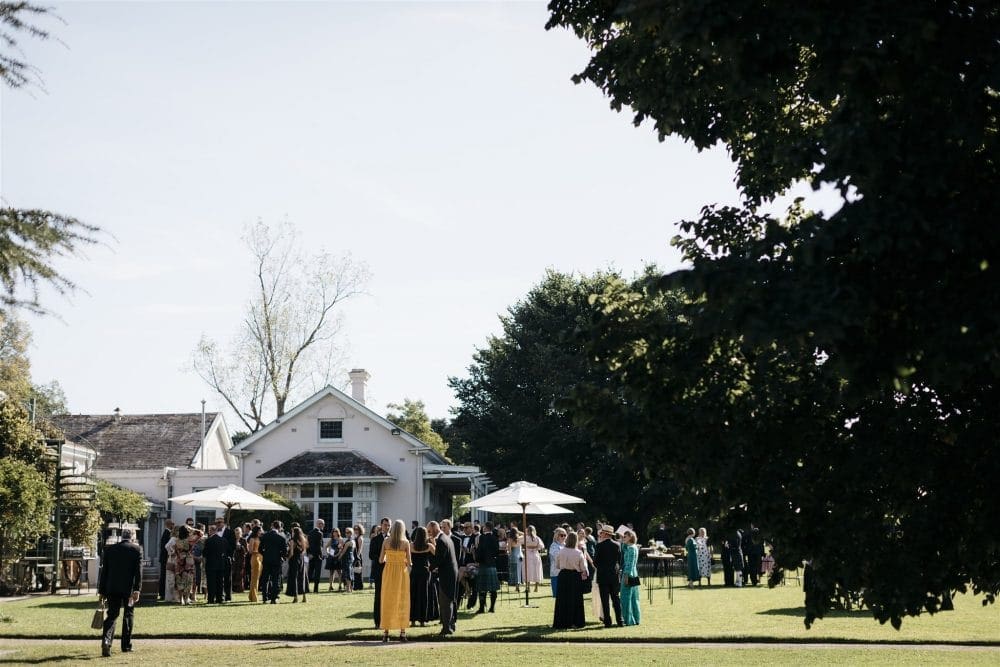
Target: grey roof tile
pixel 325 464
pixel 137 442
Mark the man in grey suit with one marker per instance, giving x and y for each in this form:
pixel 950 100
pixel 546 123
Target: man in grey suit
pixel 119 584
pixel 444 564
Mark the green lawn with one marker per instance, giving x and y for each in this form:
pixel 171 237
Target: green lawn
pixel 535 655
pixel 716 614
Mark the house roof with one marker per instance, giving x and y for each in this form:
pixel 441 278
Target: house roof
pixel 326 464
pixel 138 442
pixel 416 443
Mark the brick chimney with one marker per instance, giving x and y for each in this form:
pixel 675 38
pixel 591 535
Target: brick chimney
pixel 359 382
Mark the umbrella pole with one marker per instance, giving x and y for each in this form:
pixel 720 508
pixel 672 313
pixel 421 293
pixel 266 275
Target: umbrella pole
pixel 524 525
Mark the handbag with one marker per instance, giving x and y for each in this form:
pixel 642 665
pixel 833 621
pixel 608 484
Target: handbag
pixel 632 581
pixel 97 622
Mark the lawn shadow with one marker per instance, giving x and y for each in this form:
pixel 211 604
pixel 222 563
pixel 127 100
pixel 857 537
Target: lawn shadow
pixel 75 603
pixel 69 657
pixel 800 612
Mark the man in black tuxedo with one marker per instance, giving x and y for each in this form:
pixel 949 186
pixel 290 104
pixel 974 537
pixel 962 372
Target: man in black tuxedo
pixel 216 563
pixel 487 581
pixel 315 552
pixel 119 584
pixel 606 559
pixel 227 573
pixel 445 566
pixel 273 548
pixel 374 552
pixel 168 526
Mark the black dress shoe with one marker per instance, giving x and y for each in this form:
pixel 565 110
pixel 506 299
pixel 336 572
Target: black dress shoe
pixel 106 651
pixel 127 650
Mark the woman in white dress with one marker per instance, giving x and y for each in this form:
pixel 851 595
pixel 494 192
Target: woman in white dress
pixel 704 555
pixel 533 546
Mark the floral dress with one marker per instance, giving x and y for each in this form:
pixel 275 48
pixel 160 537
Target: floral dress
pixel 183 568
pixel 704 557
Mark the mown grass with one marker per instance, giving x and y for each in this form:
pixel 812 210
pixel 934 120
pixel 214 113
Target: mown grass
pixel 536 655
pixel 715 614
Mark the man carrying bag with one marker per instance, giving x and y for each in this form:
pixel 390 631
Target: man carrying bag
pixel 118 585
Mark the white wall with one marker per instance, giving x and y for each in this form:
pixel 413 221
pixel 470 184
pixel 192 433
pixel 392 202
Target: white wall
pixel 398 500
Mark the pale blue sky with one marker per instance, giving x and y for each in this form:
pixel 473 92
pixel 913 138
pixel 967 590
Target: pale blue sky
pixel 443 143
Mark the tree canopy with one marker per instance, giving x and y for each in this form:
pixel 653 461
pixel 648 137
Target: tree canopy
pixel 31 238
pixel 511 420
pixel 835 373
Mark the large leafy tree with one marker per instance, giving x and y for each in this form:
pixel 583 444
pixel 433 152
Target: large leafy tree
pixel 411 416
pixel 511 420
pixel 852 357
pixel 26 492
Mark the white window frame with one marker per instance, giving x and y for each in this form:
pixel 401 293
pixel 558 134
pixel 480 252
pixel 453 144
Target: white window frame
pixel 319 432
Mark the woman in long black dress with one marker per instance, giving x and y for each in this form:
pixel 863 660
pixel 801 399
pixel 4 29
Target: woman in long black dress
pixel 572 566
pixel 421 551
pixel 297 580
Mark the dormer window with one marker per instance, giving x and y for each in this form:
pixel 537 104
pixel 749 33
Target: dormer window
pixel 331 430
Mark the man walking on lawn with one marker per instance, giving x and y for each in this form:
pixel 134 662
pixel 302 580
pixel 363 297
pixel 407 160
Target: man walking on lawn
pixel 119 584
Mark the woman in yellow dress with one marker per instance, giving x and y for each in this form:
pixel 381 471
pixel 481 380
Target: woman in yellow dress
pixel 256 561
pixel 395 588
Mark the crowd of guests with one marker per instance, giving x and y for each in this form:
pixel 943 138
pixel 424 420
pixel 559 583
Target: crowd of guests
pixel 744 558
pixel 427 573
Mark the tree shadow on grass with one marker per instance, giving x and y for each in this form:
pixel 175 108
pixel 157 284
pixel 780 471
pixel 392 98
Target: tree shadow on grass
pixel 79 656
pixel 800 612
pixel 65 603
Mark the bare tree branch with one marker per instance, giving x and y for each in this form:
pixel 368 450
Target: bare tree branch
pixel 289 336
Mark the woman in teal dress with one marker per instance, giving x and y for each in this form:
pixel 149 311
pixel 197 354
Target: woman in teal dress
pixel 692 558
pixel 630 594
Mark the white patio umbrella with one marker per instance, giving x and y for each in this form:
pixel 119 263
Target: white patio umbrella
pixel 532 508
pixel 526 496
pixel 228 497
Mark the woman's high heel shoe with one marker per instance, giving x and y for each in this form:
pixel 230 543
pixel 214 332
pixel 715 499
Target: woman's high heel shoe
pixel 402 636
pixel 385 637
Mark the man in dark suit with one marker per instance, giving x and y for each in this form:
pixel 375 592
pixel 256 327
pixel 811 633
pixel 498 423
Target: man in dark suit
pixel 487 581
pixel 606 559
pixel 445 566
pixel 216 563
pixel 168 526
pixel 273 549
pixel 119 584
pixel 315 552
pixel 374 552
pixel 229 536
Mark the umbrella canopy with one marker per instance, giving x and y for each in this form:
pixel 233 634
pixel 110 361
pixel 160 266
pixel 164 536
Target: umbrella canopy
pixel 227 497
pixel 520 496
pixel 531 508
pixel 521 493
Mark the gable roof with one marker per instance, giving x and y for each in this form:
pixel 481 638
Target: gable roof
pixel 138 442
pixel 432 455
pixel 327 464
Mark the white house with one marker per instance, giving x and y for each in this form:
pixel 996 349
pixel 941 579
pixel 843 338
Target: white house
pixel 344 463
